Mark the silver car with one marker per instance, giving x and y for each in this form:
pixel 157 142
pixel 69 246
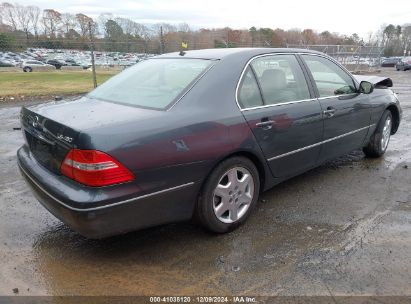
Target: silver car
pixel 30 65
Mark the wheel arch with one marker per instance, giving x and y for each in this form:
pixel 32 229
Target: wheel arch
pixel 253 157
pixel 256 161
pixel 396 117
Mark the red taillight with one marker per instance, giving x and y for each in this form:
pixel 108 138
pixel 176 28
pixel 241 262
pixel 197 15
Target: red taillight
pixel 94 168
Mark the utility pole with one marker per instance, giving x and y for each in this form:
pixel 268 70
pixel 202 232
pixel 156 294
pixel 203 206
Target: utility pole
pixel 161 40
pixel 93 65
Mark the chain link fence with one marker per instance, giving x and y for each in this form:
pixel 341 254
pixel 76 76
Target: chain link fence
pixel 355 58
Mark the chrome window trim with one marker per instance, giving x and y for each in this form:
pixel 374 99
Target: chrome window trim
pixel 277 104
pixel 105 206
pixel 319 143
pixel 336 96
pixel 294 101
pixel 265 106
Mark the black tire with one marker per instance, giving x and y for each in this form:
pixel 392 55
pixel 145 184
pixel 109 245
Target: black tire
pixel 27 69
pixel 375 146
pixel 205 213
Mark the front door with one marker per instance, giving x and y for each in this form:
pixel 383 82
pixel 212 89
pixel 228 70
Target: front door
pixel 346 112
pixel 282 112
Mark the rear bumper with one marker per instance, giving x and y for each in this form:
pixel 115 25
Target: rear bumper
pixel 107 214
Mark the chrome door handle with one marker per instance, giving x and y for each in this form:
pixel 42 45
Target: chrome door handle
pixel 266 124
pixel 329 112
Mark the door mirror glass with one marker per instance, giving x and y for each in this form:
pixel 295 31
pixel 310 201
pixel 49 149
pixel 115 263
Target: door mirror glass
pixel 366 87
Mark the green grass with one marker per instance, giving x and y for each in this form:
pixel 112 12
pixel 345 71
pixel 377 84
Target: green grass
pixel 18 84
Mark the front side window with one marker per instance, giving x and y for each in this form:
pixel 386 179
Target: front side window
pixel 331 80
pixel 281 79
pixel 153 83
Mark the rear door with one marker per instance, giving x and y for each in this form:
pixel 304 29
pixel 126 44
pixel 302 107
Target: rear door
pixel 282 112
pixel 346 112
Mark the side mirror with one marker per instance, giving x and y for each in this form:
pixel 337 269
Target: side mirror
pixel 366 87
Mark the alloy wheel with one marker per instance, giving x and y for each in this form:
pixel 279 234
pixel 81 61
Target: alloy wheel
pixel 233 195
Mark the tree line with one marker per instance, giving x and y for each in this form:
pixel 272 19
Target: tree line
pixel 29 26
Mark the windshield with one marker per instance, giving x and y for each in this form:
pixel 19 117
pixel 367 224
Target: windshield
pixel 153 83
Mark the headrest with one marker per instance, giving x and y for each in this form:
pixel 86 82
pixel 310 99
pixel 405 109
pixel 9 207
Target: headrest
pixel 274 79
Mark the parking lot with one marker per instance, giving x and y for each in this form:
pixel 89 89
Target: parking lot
pixel 67 58
pixel 341 229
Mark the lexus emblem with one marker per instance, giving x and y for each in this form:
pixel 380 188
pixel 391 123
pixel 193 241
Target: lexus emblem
pixel 34 121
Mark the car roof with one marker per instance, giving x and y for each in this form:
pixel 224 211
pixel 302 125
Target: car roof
pixel 224 52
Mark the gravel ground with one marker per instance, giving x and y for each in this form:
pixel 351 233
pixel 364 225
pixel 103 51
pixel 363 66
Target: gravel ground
pixel 341 229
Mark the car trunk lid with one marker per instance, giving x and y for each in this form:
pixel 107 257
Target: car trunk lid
pixel 48 140
pixel 52 129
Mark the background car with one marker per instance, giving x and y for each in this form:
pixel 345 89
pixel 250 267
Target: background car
pixel 57 63
pixel 4 63
pixel 35 65
pixel 198 135
pixel 403 64
pixel 71 62
pixel 390 62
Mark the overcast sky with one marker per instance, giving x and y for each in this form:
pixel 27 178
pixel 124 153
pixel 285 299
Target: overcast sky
pixel 343 16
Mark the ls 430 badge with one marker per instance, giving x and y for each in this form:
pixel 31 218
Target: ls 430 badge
pixel 65 138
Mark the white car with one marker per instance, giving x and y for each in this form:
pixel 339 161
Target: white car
pixel 30 65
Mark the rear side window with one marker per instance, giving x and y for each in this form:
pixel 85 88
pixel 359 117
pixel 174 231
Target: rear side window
pixel 249 94
pixel 153 83
pixel 330 79
pixel 281 79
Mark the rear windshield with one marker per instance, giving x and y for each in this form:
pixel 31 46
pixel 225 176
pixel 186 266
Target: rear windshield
pixel 153 83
